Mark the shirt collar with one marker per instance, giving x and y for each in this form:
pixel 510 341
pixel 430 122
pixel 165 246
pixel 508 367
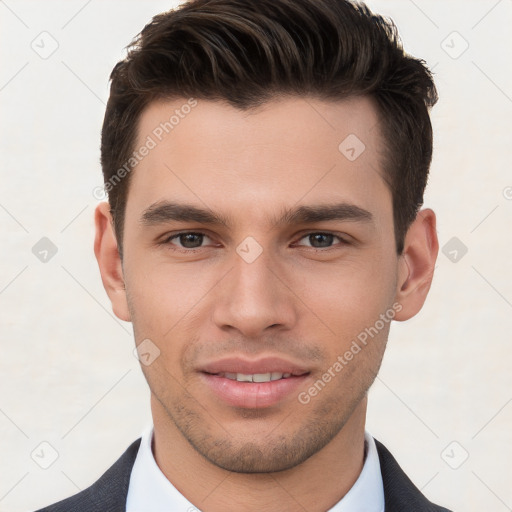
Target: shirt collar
pixel 367 494
pixel 149 489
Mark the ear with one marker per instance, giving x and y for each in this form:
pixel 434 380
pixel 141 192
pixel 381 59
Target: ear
pixel 109 261
pixel 416 264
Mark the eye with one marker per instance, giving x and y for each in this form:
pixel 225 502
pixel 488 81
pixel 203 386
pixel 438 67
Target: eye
pixel 187 240
pixel 321 240
pixel 190 240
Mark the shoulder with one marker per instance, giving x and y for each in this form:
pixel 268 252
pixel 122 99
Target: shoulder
pixel 400 494
pixel 107 493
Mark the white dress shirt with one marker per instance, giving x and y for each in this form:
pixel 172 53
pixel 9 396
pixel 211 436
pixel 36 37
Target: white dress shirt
pixel 150 491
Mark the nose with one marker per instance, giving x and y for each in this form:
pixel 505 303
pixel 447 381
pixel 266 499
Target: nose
pixel 253 298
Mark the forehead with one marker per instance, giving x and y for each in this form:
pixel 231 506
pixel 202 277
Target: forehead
pixel 289 150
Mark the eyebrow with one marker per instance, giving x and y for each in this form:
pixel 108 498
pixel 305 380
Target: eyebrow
pixel 165 211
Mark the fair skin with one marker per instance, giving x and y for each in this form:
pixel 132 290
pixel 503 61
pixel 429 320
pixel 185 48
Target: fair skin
pixel 316 285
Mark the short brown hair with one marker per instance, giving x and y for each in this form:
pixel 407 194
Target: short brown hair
pixel 246 52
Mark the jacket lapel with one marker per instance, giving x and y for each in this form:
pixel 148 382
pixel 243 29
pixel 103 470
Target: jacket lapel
pixel 108 493
pixel 400 494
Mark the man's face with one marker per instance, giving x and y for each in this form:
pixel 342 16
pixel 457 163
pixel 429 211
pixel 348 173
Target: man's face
pixel 260 292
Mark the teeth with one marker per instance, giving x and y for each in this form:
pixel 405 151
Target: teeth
pixel 261 377
pixel 255 377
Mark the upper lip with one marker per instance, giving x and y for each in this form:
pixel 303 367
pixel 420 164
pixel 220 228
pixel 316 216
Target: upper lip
pixel 250 367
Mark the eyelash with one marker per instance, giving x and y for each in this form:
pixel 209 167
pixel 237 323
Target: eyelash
pixel 167 241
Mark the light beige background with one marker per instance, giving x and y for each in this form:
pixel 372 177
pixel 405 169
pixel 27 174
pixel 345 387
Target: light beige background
pixel 68 376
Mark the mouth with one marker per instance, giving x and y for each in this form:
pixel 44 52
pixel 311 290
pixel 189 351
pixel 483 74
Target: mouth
pixel 257 377
pixel 253 384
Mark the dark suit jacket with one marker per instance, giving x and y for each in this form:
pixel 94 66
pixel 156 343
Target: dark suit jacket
pixel 108 494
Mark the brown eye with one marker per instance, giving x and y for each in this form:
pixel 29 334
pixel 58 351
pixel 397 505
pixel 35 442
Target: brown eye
pixel 187 240
pixel 191 240
pixel 320 240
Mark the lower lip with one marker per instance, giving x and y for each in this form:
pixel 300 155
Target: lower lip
pixel 252 395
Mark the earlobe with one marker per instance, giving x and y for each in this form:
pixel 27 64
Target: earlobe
pixel 416 265
pixel 109 261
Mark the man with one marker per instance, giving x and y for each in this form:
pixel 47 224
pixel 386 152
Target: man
pixel 265 164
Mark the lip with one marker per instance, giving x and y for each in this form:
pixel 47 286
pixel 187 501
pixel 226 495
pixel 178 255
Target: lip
pixel 262 365
pixel 253 395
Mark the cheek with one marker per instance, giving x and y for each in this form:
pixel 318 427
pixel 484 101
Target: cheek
pixel 349 297
pixel 167 306
pixel 162 294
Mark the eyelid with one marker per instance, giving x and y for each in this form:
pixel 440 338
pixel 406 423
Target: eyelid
pixel 344 239
pixel 167 239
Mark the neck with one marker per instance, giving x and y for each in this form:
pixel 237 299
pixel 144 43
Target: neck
pixel 315 485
